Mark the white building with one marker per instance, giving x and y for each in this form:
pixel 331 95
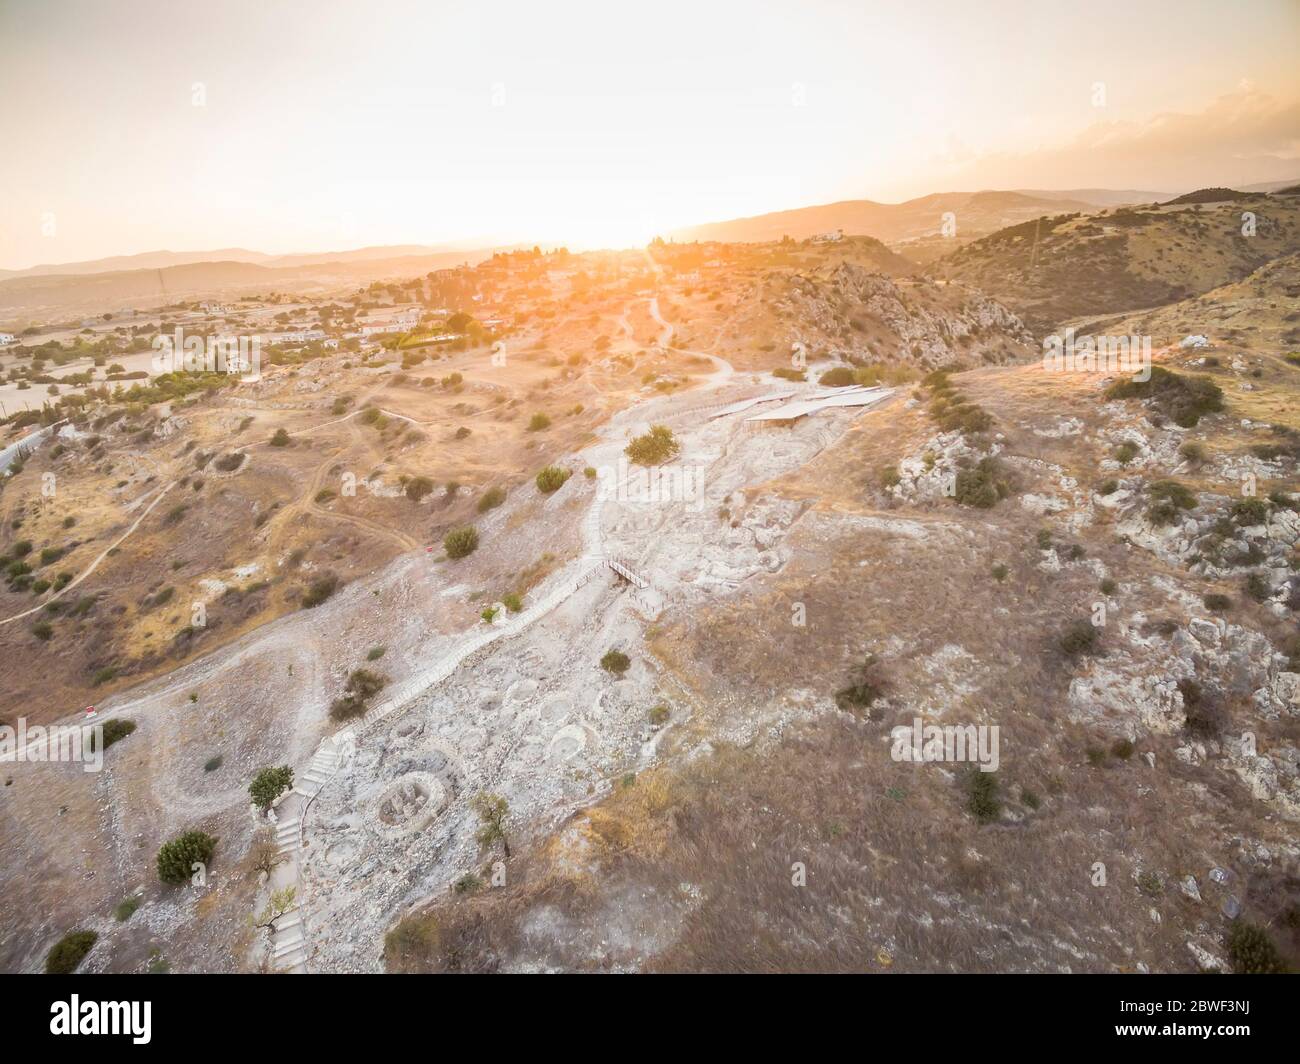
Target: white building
pixel 7 338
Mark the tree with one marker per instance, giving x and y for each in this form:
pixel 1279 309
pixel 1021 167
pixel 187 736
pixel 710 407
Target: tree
pixel 492 810
pixel 176 859
pixel 281 902
pixel 654 448
pixel 269 784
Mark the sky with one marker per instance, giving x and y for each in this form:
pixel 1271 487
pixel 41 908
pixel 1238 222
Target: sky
pixel 286 126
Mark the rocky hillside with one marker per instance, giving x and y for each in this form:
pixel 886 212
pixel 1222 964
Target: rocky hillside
pixel 851 314
pixel 1076 265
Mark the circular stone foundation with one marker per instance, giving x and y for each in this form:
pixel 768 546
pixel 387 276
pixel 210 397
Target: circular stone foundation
pixel 567 743
pixel 409 803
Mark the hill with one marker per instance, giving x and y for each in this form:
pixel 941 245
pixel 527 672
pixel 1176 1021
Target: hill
pixel 976 212
pixel 1126 259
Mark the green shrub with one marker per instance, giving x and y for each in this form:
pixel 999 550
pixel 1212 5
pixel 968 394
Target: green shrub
pixel 1169 497
pixel 1126 452
pixel 1079 638
pixel 1107 586
pixel 1217 603
pixel 1249 512
pixel 615 661
pixel 1257 587
pixel 269 784
pixel 319 590
pixel 655 447
pixel 983 485
pixel 126 909
pixel 1108 487
pixel 1000 572
pixel 460 542
pixel 1122 749
pixel 43 630
pixel 839 377
pixel 1185 400
pixel 551 479
pixel 114 730
pixel 512 602
pixel 177 857
pixel 658 716
pixel 67 954
pixel 375 653
pixel 418 487
pixel 280 439
pixel 213 763
pixel 889 476
pixel 1252 951
pixel 788 374
pixel 982 798
pixel 538 422
pixel 491 499
pixel 362 685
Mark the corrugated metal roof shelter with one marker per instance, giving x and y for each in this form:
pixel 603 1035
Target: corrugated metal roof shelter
pixel 841 397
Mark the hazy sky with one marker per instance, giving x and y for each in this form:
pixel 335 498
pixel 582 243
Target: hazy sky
pixel 330 124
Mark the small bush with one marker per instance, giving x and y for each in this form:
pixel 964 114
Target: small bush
pixel 280 439
pixel 269 784
pixel 889 476
pixel 319 590
pixel 1257 587
pixel 657 446
pixel 538 422
pixel 362 686
pixel 983 485
pixel 126 909
pixel 1168 498
pixel 1126 452
pixel 839 377
pixel 418 487
pixel 1000 572
pixel 1217 603
pixel 1122 749
pixel 615 662
pixel 491 499
pixel 1108 586
pixel 1079 638
pixel 114 730
pixel 66 955
pixel 982 799
pixel 1247 512
pixel 177 857
pixel 551 479
pixel 375 653
pixel 658 716
pixel 213 763
pixel 512 602
pixel 1252 951
pixel 460 542
pixel 1108 487
pixel 1185 400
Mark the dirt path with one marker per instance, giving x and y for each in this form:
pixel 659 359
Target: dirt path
pixel 95 564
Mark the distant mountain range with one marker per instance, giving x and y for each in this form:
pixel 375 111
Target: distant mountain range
pixel 155 260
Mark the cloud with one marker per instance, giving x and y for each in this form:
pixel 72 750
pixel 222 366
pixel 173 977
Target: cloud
pixel 1240 139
